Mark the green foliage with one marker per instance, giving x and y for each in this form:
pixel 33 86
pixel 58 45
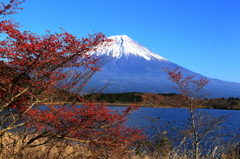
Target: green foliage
pixel 129 97
pixel 167 94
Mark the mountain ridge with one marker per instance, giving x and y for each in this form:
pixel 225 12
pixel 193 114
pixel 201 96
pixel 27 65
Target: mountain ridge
pixel 123 45
pixel 135 68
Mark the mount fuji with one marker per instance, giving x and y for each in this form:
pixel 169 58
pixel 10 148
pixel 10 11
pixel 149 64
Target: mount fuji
pixel 134 68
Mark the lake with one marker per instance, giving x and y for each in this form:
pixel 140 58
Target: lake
pixel 173 120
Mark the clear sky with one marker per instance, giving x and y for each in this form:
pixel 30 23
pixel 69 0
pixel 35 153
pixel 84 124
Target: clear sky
pixel 200 35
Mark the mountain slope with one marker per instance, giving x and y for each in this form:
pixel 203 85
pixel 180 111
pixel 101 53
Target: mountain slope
pixel 134 68
pixel 125 46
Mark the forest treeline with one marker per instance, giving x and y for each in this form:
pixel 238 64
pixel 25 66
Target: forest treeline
pixel 162 100
pixel 173 100
pixel 128 97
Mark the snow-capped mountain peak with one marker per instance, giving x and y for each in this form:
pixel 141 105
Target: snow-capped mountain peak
pixel 125 46
pixel 137 69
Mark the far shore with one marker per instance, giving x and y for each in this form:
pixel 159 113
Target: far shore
pixel 112 104
pixel 151 105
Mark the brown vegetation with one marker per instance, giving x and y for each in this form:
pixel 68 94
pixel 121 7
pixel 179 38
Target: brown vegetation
pixel 158 149
pixel 173 101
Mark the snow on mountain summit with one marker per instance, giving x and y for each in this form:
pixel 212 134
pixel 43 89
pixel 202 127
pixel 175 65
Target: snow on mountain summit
pixel 135 68
pixel 123 45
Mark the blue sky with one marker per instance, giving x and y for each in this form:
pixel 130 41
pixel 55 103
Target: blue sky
pixel 200 35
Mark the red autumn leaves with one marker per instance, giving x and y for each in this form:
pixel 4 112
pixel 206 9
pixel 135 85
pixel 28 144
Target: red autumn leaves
pixel 40 68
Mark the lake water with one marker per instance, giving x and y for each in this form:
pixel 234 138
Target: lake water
pixel 169 118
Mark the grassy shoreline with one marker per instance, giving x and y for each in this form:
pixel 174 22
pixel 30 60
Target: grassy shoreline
pixel 113 104
pixel 151 105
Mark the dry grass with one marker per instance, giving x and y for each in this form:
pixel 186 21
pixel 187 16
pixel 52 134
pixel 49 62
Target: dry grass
pixel 51 150
pixel 69 150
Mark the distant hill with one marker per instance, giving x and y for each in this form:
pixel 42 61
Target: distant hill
pixel 134 68
pixel 168 100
